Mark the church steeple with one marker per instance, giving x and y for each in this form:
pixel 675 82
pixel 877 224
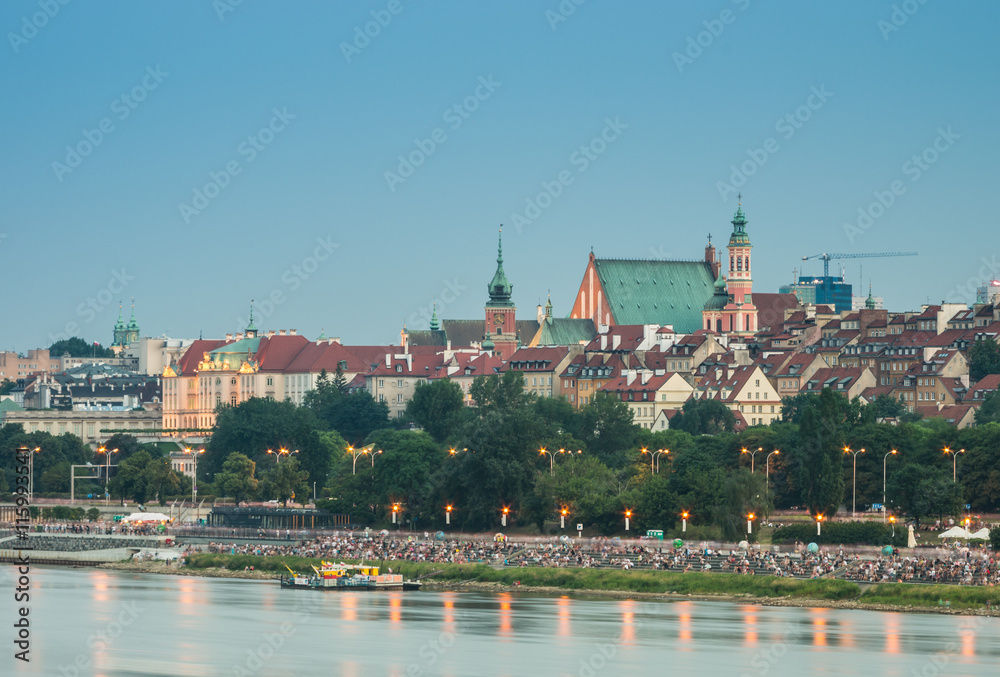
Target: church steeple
pixel 870 301
pixel 251 331
pixel 500 288
pixel 435 325
pixel 739 236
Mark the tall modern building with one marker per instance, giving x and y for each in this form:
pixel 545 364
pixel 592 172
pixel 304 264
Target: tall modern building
pixel 832 291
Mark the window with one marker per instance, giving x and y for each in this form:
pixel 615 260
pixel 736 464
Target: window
pixel 399 383
pixel 772 408
pixel 381 383
pixel 399 398
pixel 381 397
pixel 270 381
pixel 232 381
pixel 534 380
pixel 399 368
pixel 232 400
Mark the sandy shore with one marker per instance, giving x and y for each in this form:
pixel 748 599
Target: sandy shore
pixel 458 586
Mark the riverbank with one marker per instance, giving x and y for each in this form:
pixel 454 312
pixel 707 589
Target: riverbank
pixel 763 590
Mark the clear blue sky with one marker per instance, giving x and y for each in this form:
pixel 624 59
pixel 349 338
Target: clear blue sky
pixel 210 81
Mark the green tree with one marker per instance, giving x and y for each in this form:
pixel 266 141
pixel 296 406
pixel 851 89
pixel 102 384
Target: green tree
pixel 237 477
pixel 4 487
pixel 743 493
pixel 6 385
pixel 56 478
pixel 989 412
pixel 586 488
pixel 607 429
pixel 921 491
pixel 704 417
pixel 437 407
pixel 818 454
pixel 124 443
pixel 984 358
pixel 502 392
pixel 77 347
pixel 355 415
pixel 131 478
pixel 887 406
pixel 93 514
pixel 286 481
pixel 656 506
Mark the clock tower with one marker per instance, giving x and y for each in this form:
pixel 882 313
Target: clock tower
pixel 500 326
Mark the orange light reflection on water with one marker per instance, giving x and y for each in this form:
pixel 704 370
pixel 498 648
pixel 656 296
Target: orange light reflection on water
pixel 396 610
pixel 100 587
pixel 968 641
pixel 349 608
pixel 628 620
pixel 750 621
pixel 685 636
pixel 892 634
pixel 449 612
pixel 563 629
pixel 819 626
pixel 188 597
pixel 506 629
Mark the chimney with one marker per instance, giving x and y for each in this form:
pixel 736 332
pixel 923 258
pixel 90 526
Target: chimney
pixel 616 340
pixel 540 313
pixel 239 335
pixel 645 377
pixel 629 376
pixel 604 341
pixel 281 332
pixel 388 360
pixel 292 332
pixel 270 332
pixel 229 337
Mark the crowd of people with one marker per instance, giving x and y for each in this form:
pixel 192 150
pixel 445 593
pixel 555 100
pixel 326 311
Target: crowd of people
pixel 99 528
pixel 973 567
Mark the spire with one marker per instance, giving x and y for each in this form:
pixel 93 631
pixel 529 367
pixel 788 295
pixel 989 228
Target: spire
pixel 548 307
pixel 251 331
pixel 870 301
pixel 739 236
pixel 435 325
pixel 500 289
pixel 133 326
pixel 120 325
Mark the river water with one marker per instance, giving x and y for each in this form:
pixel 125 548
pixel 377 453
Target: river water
pixel 107 623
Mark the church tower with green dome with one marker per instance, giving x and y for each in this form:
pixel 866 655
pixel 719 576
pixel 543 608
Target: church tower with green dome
pixel 132 329
pixel 730 310
pixel 500 326
pixel 121 338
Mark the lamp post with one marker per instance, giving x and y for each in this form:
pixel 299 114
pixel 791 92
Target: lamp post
pixel 552 459
pixel 447 514
pixel 752 454
pixel 194 481
pixel 503 518
pixel 819 525
pixel 628 515
pixel 884 459
pixel 892 521
pixel 374 454
pixel 684 522
pixel 355 453
pixel 395 511
pixel 750 524
pixel 654 458
pixel 954 461
pixel 562 518
pixel 767 469
pixel 31 473
pixel 854 499
pixel 107 471
pixel 456 452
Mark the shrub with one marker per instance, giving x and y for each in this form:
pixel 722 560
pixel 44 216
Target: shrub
pixel 842 533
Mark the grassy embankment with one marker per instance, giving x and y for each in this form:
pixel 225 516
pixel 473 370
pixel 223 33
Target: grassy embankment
pixel 895 595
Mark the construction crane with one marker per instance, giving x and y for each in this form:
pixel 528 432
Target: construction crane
pixel 827 257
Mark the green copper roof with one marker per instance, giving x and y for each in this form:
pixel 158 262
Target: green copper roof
pixel 500 289
pixel 870 301
pixel 241 347
pixel 563 331
pixel 739 222
pixel 720 295
pixel 120 325
pixel 488 344
pixel 251 327
pixel 435 325
pixel 657 292
pixel 132 324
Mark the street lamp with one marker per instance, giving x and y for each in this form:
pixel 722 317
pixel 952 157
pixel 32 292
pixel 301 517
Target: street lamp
pixel 892 520
pixel 954 460
pixel 395 511
pixel 628 515
pixel 194 480
pixel 447 514
pixel 752 454
pixel 654 458
pixel 107 471
pixel 884 459
pixel 552 459
pixel 503 519
pixel 819 525
pixel 455 452
pixel 767 468
pixel 854 499
pixel 750 524
pixel 374 454
pixel 562 518
pixel 355 453
pixel 684 522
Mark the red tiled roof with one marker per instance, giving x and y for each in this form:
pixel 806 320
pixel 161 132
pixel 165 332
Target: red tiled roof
pixel 275 353
pixel 417 365
pixel 952 413
pixel 318 356
pixel 536 359
pixel 188 364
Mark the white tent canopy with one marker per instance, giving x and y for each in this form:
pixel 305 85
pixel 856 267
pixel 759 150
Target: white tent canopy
pixel 146 517
pixel 955 532
pixel 982 533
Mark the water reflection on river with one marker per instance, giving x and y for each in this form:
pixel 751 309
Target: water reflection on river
pixel 115 624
